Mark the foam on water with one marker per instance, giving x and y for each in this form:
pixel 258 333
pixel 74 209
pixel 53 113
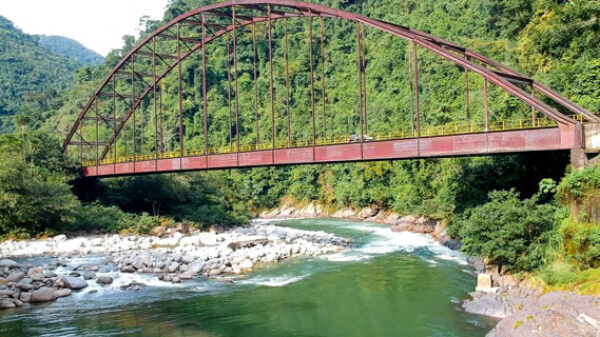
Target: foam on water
pixel 387 242
pixel 266 221
pixel 346 256
pixel 280 281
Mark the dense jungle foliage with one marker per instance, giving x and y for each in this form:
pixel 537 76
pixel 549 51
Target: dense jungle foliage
pixel 523 227
pixel 33 72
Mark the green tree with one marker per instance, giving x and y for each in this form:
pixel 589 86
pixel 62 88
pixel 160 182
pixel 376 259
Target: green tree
pixel 509 232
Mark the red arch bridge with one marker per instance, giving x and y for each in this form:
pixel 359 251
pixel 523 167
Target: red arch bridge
pixel 272 105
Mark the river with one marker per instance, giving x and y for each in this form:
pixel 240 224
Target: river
pixel 386 284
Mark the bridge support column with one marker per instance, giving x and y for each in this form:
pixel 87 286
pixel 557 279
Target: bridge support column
pixel 588 154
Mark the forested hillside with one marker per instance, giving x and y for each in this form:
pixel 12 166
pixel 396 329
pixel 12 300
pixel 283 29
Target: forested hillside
pixel 30 74
pixel 65 46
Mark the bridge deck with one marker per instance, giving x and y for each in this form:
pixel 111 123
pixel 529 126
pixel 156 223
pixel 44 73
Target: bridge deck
pixel 543 139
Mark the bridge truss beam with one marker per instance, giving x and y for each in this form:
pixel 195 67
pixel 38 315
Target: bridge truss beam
pixel 226 18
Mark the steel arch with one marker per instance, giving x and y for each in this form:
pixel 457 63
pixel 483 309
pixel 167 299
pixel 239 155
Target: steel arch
pixel 502 76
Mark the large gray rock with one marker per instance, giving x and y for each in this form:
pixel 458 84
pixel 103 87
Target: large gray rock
pixel 173 267
pixel 104 280
pixel 8 263
pixel 26 280
pixel 490 305
pixel 24 286
pixel 555 314
pixel 90 275
pixel 196 267
pixel 6 292
pixel 7 304
pixel 45 294
pixel 187 259
pixel 63 292
pixel 74 283
pixel 248 244
pixel 176 257
pixel 25 297
pixel 15 276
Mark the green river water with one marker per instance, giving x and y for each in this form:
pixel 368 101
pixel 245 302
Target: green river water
pixel 385 284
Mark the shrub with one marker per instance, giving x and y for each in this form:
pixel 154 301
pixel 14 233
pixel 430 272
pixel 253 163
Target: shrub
pixel 580 242
pixel 558 273
pixel 509 232
pixel 34 195
pixel 96 216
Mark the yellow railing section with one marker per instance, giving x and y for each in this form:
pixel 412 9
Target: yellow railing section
pixel 428 131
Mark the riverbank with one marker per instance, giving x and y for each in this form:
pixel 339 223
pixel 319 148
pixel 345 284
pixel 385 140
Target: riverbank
pixel 170 258
pixel 398 223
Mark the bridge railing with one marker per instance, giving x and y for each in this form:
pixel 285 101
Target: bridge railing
pixel 427 131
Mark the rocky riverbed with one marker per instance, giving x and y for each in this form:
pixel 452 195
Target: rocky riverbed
pixel 170 257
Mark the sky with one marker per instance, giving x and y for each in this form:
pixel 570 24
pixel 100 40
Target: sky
pixel 98 25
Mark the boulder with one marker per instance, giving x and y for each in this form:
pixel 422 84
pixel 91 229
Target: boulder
pixel 7 304
pixel 104 280
pixel 63 292
pixel 8 263
pixel 248 244
pixel 183 228
pixel 196 267
pixel 15 276
pixel 186 276
pixel 26 280
pixel 173 267
pixel 490 305
pixel 410 223
pixel 90 275
pixel 9 293
pixel 216 271
pixel 187 259
pixel 74 283
pixel 158 231
pixel 246 265
pixel 60 238
pixel 25 297
pixel 24 286
pixel 176 257
pixel 45 294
